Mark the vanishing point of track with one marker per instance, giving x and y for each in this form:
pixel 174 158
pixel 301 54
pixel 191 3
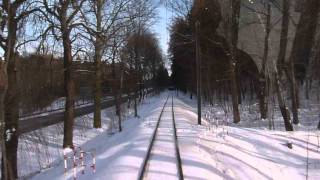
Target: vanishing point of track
pixel 147 159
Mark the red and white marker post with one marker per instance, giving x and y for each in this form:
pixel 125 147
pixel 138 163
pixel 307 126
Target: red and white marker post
pixel 78 158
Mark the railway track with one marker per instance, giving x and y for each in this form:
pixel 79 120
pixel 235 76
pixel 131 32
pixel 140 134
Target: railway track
pixel 163 150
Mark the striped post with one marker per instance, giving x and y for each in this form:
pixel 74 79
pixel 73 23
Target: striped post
pixel 74 165
pixel 65 162
pixel 93 162
pixel 82 161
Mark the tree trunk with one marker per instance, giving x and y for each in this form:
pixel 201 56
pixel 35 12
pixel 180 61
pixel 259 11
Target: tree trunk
pixel 118 109
pixel 263 75
pixel 11 102
pixel 117 101
pixel 304 38
pixel 3 90
pixel 120 98
pixel 135 103
pixel 283 37
pixel 115 88
pixel 294 94
pixel 280 65
pixel 199 71
pixel 234 93
pixel 69 92
pixel 98 57
pixel 263 104
pixel 233 62
pixel 238 80
pixel 97 92
pixel 137 73
pixel 12 120
pixel 284 110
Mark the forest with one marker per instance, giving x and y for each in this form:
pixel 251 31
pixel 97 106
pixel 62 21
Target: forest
pixel 73 70
pixel 277 67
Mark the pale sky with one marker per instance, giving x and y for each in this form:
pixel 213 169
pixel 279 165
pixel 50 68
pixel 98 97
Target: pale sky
pixel 161 28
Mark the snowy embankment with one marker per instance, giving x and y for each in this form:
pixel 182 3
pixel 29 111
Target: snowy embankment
pixel 119 155
pixel 42 149
pixel 207 151
pixel 256 153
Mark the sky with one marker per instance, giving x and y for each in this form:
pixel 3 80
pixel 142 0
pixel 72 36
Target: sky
pixel 161 28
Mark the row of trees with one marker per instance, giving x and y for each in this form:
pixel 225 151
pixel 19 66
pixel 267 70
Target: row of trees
pixel 214 50
pixel 101 31
pixel 229 70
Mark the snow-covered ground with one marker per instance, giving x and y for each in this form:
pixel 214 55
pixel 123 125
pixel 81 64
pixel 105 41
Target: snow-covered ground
pixel 118 156
pixel 207 151
pixel 257 153
pixel 162 162
pixel 41 149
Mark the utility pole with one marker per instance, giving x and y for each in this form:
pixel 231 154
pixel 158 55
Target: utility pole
pixel 198 61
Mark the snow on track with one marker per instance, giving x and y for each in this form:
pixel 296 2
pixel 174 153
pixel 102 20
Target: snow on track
pixel 196 163
pixel 162 162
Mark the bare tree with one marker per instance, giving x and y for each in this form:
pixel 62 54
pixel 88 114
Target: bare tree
pixel 63 17
pixel 265 11
pixel 12 17
pixel 109 18
pixel 180 7
pixel 116 89
pixel 233 41
pixel 142 13
pixel 264 77
pixel 280 63
pixel 301 50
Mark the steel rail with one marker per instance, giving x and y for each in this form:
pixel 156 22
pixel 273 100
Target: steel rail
pixel 143 169
pixel 176 143
pixel 146 159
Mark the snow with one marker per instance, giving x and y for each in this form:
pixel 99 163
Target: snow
pixel 118 156
pixel 254 153
pixel 9 133
pixel 214 150
pixel 163 160
pixel 67 150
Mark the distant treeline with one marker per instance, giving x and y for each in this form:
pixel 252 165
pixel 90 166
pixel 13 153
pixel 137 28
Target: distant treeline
pixel 41 80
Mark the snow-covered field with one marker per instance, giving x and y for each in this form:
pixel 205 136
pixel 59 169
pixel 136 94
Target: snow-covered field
pixel 207 151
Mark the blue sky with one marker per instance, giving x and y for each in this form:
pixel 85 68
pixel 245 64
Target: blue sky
pixel 161 28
